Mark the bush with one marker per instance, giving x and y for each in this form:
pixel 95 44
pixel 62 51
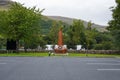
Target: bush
pixel 104 46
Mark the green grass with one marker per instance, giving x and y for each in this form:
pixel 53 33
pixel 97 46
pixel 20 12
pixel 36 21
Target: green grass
pixel 93 55
pixel 24 54
pixel 46 54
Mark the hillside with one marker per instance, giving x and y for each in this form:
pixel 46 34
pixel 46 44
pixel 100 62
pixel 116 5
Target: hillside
pixel 70 21
pixel 4 4
pixel 46 24
pixel 47 21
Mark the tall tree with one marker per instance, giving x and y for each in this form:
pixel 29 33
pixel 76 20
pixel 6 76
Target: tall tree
pixel 53 34
pixel 114 25
pixel 89 25
pixel 19 22
pixel 76 33
pixel 90 38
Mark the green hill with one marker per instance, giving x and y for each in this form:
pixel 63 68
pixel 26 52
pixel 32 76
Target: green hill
pixel 70 21
pixel 47 21
pixel 46 24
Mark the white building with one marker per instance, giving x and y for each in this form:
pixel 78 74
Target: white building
pixel 79 47
pixel 49 47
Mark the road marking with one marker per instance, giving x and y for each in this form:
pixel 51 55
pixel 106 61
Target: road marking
pixel 3 63
pixel 100 60
pixel 108 69
pixel 103 64
pixel 7 60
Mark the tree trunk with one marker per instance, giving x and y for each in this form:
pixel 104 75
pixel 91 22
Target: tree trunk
pixel 17 46
pixel 25 48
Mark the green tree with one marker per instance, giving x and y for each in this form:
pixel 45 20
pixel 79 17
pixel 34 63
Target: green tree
pixel 114 25
pixel 19 23
pixel 90 35
pixel 76 34
pixel 89 25
pixel 90 38
pixel 53 34
pixel 104 41
pixel 2 42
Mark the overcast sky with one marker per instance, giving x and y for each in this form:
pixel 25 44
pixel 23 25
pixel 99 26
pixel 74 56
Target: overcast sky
pixel 95 10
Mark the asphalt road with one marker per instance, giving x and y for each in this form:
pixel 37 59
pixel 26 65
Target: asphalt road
pixel 59 68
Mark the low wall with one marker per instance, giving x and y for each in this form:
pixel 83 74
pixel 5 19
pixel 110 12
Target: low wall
pixel 96 51
pixel 71 51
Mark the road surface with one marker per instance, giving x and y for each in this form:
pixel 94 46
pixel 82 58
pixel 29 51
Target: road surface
pixel 59 68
